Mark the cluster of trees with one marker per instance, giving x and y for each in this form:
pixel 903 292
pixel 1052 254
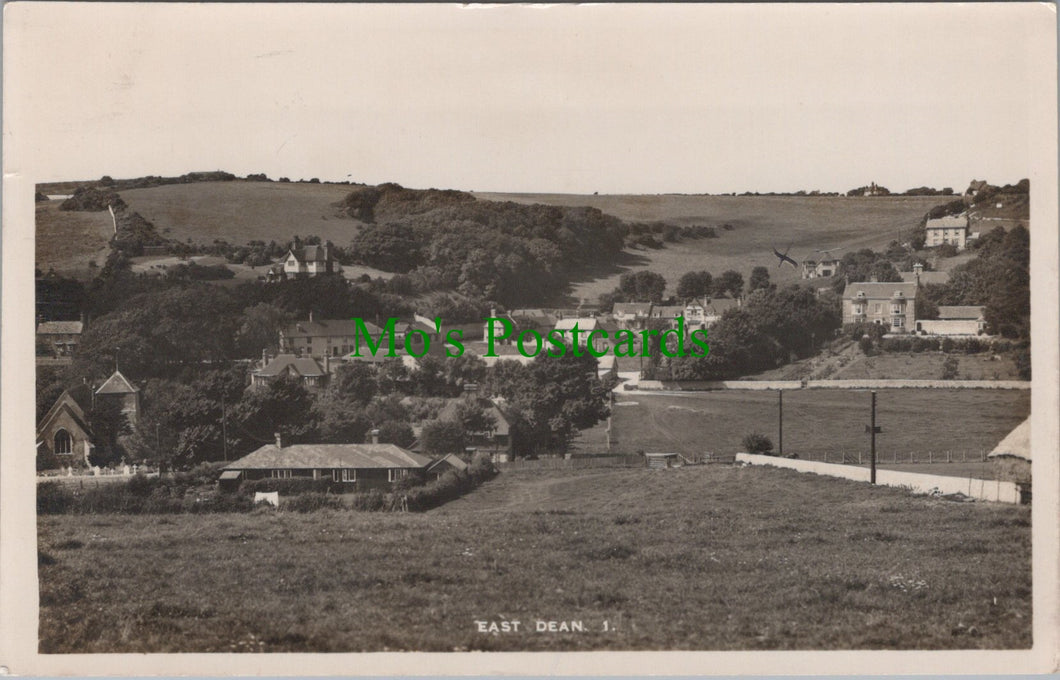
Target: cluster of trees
pixel 504 252
pixel 649 286
pixel 772 328
pixel 928 191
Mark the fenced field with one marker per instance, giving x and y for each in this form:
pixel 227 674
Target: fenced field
pixel 700 557
pixel 920 425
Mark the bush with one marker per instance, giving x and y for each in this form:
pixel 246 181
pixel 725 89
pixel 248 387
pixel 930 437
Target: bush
pixel 949 368
pixel 758 443
pixel 451 485
pixel 311 502
pixel 866 345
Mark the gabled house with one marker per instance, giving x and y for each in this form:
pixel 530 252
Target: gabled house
pixel 889 304
pixel 952 229
pixel 362 466
pixel 922 278
pixel 63 434
pixel 631 315
pixel 812 269
pixel 62 337
pixel 305 370
pixel 308 261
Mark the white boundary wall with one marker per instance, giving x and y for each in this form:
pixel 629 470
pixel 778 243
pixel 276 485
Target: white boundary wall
pixel 980 489
pixel 706 385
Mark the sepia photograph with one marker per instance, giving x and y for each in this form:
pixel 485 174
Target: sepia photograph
pixel 378 329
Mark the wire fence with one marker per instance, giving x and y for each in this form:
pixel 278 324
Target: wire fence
pixel 895 457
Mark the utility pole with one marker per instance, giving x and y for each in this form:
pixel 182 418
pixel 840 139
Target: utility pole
pixel 872 449
pixel 224 427
pixel 780 421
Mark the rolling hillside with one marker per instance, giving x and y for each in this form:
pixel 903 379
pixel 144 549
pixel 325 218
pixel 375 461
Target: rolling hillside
pixel 759 223
pixel 240 211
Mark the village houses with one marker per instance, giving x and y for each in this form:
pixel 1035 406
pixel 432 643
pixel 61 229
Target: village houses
pixel 60 337
pixel 954 320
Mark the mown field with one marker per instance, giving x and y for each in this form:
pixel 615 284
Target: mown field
pixel 714 557
pixel 806 224
pixel 817 422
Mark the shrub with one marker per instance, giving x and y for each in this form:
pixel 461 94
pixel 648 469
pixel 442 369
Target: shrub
pixel 949 368
pixel 866 345
pixel 757 443
pixel 311 502
pixel 53 498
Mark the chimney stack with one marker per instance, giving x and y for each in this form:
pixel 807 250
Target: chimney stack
pixel 375 435
pixel 264 357
pixel 279 440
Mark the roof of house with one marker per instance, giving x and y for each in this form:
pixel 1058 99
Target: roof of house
pixel 304 366
pixel 311 254
pixel 667 311
pixel 948 222
pixel 452 460
pixel 328 328
pixel 321 456
pixel 584 323
pixel 60 328
pixel 631 308
pixel 1017 443
pixel 960 312
pixel 879 290
pixel 117 384
pixel 719 305
pixel 926 277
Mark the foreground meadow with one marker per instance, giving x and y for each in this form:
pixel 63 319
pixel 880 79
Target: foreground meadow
pixel 711 558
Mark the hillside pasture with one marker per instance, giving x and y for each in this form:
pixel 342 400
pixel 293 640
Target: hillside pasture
pixel 69 241
pixel 817 423
pixel 700 558
pixel 760 223
pixel 242 211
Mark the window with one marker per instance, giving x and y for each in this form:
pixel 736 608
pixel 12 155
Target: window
pixel 394 475
pixel 64 445
pixel 897 322
pixel 348 475
pixel 876 308
pixel 896 309
pixel 281 474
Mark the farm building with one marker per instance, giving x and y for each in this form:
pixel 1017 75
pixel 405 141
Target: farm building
pixel 889 304
pixel 363 466
pixel 952 229
pixel 954 320
pixel 305 370
pixel 1012 458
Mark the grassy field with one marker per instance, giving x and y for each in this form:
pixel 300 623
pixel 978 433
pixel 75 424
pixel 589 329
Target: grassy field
pixel 713 557
pixel 816 422
pixel 806 224
pixel 68 241
pixel 242 211
pixel 928 366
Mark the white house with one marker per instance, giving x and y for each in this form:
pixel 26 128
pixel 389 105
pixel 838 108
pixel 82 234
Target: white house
pixel 952 229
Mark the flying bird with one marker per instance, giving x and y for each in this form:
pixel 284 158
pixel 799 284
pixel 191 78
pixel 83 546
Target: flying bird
pixel 783 257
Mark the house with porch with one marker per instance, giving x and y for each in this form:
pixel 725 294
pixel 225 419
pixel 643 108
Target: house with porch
pixel 308 261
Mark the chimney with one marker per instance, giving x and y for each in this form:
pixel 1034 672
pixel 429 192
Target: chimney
pixel 310 316
pixel 264 357
pixel 918 268
pixel 279 440
pixel 375 436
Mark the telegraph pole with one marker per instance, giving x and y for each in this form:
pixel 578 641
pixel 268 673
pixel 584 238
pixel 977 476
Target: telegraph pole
pixel 780 421
pixel 872 450
pixel 224 427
